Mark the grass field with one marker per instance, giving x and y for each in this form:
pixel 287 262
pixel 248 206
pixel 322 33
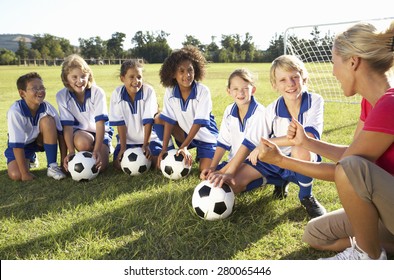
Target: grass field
pixel 149 217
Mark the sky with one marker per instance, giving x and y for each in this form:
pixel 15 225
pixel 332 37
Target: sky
pixel 203 19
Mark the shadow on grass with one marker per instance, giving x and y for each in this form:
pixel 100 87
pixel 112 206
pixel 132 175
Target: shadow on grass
pixel 159 226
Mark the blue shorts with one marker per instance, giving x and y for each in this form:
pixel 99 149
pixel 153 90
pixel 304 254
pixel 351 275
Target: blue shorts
pixel 204 149
pixel 30 151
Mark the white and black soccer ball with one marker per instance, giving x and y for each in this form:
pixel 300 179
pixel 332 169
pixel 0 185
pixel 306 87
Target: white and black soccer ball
pixel 212 203
pixel 173 166
pixel 82 166
pixel 134 162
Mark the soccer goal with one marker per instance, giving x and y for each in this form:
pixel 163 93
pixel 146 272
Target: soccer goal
pixel 312 44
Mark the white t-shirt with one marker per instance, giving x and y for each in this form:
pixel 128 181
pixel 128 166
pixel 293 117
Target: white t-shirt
pixel 134 115
pixel 23 129
pixel 232 130
pixel 83 116
pixel 197 109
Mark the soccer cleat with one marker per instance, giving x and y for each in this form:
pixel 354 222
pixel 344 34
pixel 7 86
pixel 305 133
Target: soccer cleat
pixel 55 172
pixel 281 192
pixel 34 163
pixel 355 253
pixel 313 207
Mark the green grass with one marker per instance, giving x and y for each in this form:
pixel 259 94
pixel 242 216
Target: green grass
pixel 151 217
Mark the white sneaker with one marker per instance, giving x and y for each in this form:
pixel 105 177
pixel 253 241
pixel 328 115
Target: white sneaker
pixel 355 253
pixel 55 172
pixel 34 164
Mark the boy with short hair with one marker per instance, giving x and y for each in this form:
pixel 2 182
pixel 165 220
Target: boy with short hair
pixel 33 126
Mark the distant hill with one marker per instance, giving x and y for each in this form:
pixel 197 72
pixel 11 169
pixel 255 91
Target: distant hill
pixel 11 41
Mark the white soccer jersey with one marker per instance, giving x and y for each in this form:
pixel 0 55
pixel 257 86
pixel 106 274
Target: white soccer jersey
pixel 232 130
pixel 134 115
pixel 277 119
pixel 195 110
pixel 23 128
pixel 83 116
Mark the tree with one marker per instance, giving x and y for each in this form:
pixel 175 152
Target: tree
pixel 191 40
pixel 115 45
pixel 23 50
pixel 7 57
pixel 153 47
pixel 93 48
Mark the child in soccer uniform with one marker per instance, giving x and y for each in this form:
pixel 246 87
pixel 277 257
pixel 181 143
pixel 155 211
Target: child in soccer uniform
pixel 83 112
pixel 187 110
pixel 237 119
pixel 33 126
pixel 288 76
pixel 133 108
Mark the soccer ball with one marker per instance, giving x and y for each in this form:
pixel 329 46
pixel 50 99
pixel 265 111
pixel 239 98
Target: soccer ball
pixel 173 166
pixel 134 162
pixel 82 166
pixel 212 203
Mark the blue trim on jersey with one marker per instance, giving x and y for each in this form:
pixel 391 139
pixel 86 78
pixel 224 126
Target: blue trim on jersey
pixel 118 123
pixel 202 122
pixel 167 119
pixel 248 144
pixel 148 120
pixel 251 109
pixel 101 118
pixel 87 95
pixel 26 111
pixel 133 105
pixel 306 103
pixel 68 123
pixel 192 95
pixel 227 148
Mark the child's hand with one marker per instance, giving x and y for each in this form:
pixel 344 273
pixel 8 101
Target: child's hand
pixel 296 133
pixel 147 152
pixel 253 156
pixel 96 155
pixel 206 172
pixel 269 152
pixel 66 161
pixel 218 179
pixel 187 156
pixel 27 176
pixel 159 158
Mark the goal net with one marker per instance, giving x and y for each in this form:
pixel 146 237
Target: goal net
pixel 312 44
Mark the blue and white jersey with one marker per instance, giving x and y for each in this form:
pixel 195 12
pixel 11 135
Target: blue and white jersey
pixel 197 109
pixel 84 115
pixel 232 130
pixel 277 119
pixel 23 128
pixel 134 114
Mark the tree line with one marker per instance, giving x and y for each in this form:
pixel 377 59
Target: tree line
pixel 152 47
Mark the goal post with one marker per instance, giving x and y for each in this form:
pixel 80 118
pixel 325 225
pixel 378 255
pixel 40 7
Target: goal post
pixel 312 44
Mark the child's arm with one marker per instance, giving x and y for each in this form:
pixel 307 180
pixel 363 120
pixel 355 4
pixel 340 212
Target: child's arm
pixel 226 174
pixel 183 148
pixel 147 134
pixel 68 135
pixel 62 148
pixel 100 130
pixel 22 166
pixel 122 132
pixel 219 153
pixel 166 138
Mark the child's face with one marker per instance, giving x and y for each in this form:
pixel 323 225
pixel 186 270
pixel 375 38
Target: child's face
pixel 289 84
pixel 184 74
pixel 78 80
pixel 132 80
pixel 240 90
pixel 34 94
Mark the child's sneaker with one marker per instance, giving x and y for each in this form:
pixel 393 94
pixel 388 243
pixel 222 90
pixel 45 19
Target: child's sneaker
pixel 34 163
pixel 355 253
pixel 55 172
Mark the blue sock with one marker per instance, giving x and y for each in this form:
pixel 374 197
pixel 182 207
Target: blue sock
pixel 51 153
pixel 254 184
pixel 305 184
pixel 159 129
